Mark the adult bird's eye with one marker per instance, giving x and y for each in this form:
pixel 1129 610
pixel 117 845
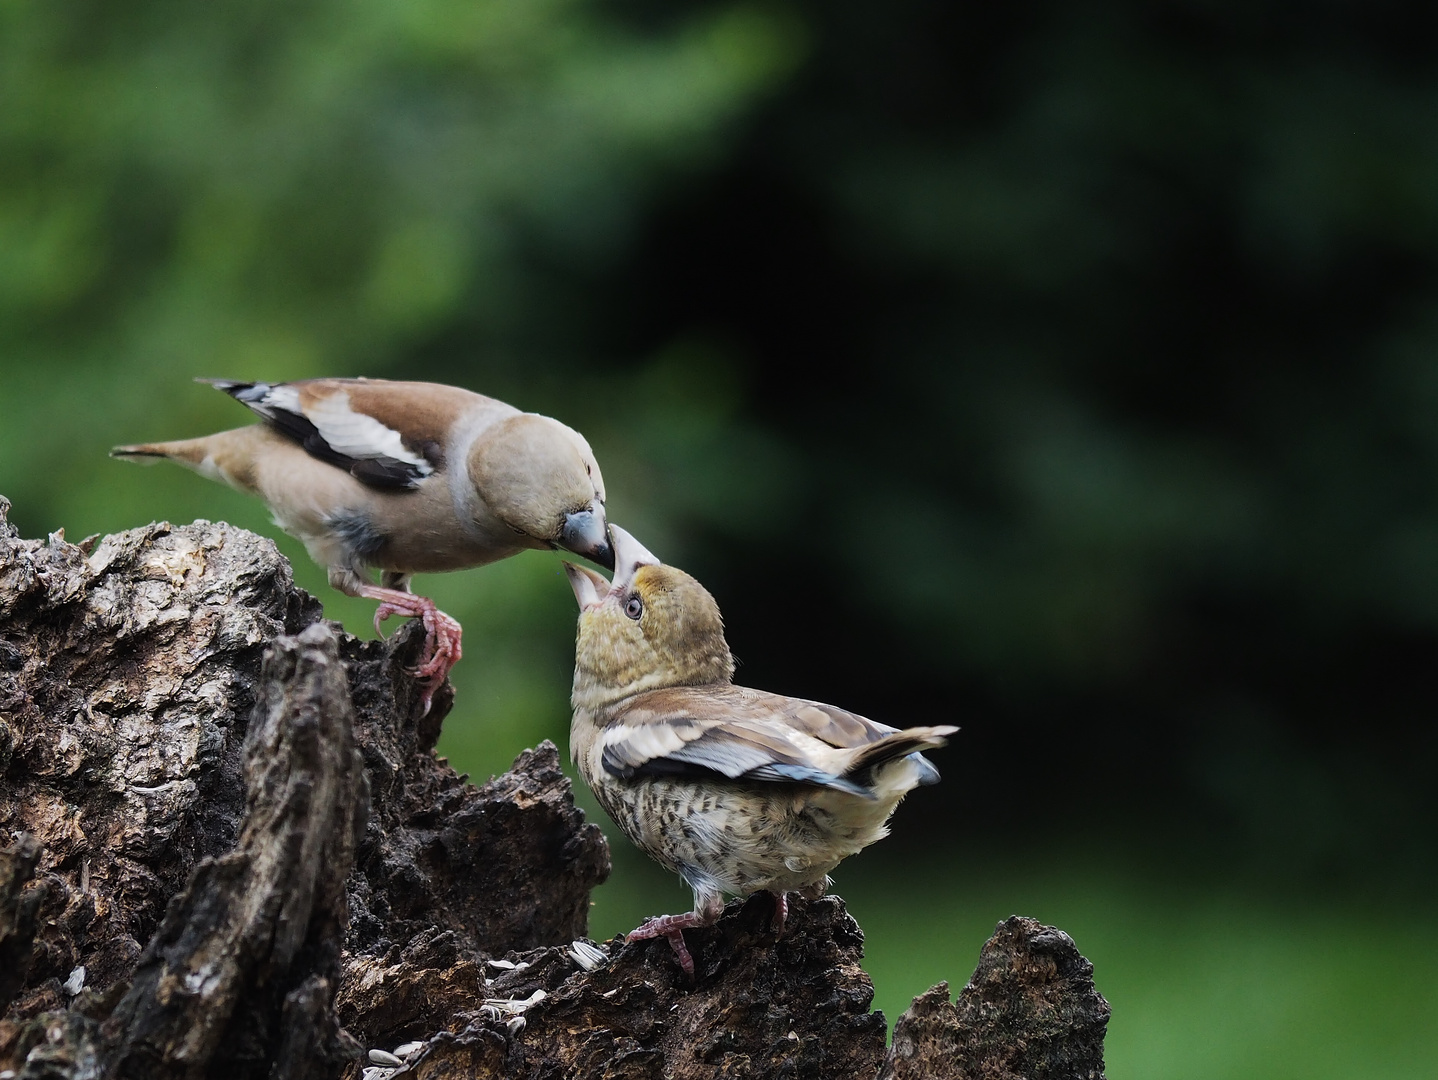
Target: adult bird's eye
pixel 634 608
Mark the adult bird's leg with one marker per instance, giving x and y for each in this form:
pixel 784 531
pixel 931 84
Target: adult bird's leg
pixel 441 632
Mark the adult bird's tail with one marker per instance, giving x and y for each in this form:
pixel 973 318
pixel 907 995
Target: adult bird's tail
pixel 226 456
pixel 189 452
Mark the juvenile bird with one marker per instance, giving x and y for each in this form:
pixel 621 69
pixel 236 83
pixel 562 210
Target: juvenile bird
pixel 404 478
pixel 735 790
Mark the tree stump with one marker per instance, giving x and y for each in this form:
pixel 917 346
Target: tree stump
pixel 229 852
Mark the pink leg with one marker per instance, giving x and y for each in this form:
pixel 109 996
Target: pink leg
pixel 672 927
pixel 781 912
pixel 442 633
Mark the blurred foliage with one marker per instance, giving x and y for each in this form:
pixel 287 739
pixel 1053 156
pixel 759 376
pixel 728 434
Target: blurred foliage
pixel 1067 369
pixel 290 191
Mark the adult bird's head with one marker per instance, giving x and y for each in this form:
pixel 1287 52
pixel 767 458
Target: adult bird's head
pixel 540 478
pixel 653 626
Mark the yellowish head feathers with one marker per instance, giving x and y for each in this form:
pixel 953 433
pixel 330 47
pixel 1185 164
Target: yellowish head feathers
pixel 657 628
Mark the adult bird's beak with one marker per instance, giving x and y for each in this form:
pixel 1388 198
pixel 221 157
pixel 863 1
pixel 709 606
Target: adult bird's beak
pixel 629 556
pixel 589 588
pixel 586 533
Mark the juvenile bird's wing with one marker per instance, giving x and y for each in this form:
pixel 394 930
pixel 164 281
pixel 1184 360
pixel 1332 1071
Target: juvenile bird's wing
pixel 746 734
pixel 385 434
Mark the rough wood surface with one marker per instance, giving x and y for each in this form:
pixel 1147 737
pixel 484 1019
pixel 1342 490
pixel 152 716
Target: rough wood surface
pixel 1029 1012
pixel 19 906
pixel 796 1007
pixel 228 850
pixel 247 958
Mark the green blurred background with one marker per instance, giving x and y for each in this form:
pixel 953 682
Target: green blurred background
pixel 1068 371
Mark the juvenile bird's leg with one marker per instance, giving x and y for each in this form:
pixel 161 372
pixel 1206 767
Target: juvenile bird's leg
pixel 781 902
pixel 672 927
pixel 706 911
pixel 781 912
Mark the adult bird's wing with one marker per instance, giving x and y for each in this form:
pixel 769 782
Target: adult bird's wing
pixel 385 434
pixel 744 734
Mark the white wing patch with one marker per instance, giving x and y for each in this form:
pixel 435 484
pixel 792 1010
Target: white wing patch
pixel 644 742
pixel 354 434
pixel 282 397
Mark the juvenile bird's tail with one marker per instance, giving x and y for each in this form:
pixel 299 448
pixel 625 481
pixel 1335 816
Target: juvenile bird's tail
pixel 898 745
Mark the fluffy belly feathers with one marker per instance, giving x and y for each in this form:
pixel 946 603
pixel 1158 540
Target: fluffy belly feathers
pixel 731 837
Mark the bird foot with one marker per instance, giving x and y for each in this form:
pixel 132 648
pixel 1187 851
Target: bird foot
pixel 671 927
pixel 781 913
pixel 442 635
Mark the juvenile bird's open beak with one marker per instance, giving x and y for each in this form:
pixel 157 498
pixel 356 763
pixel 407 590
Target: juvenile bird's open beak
pixel 586 533
pixel 589 587
pixel 629 556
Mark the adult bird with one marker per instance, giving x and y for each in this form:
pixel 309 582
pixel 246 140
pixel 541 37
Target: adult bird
pixel 735 790
pixel 404 478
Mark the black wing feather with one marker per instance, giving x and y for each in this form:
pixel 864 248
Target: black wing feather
pixel 378 472
pixel 706 756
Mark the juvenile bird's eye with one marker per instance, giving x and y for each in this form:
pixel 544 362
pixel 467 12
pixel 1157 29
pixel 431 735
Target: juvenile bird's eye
pixel 634 607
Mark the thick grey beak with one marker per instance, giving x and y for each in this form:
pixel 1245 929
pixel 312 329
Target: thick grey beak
pixel 586 533
pixel 630 555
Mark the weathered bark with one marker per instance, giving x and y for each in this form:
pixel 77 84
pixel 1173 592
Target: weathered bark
pixel 1029 1012
pixel 247 958
pixel 796 1007
pixel 236 855
pixel 19 906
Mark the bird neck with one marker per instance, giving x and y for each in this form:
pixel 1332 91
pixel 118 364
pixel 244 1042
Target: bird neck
pixel 599 696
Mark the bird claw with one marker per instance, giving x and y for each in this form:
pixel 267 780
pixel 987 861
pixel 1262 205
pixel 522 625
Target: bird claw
pixel 671 927
pixel 442 635
pixel 781 914
pixel 681 952
pixel 383 612
pixel 442 645
pixel 441 652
